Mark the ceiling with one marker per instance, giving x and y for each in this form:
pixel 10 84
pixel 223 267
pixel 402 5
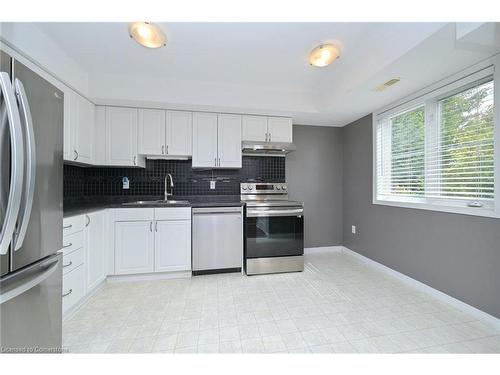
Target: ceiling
pixel 262 67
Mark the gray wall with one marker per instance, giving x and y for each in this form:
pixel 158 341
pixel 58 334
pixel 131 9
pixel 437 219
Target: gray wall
pixel 456 254
pixel 314 176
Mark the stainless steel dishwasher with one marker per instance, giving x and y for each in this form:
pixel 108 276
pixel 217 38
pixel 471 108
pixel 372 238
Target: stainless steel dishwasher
pixel 217 240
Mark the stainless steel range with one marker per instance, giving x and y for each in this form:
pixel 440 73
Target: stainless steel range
pixel 274 229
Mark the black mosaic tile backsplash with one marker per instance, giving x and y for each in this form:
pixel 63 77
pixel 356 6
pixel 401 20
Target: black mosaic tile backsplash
pixel 105 181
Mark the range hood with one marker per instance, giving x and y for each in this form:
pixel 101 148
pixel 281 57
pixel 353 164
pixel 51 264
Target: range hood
pixel 255 148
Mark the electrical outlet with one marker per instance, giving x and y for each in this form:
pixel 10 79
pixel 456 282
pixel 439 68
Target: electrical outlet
pixel 353 229
pixel 212 185
pixel 125 183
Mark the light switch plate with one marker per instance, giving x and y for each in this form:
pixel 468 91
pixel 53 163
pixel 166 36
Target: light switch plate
pixel 353 229
pixel 212 185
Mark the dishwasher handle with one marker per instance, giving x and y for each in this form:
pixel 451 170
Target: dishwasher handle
pixel 217 210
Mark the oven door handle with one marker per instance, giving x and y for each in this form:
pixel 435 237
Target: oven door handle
pixel 265 213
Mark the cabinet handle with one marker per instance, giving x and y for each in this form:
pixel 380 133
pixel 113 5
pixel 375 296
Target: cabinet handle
pixel 76 154
pixel 163 149
pixel 167 149
pixel 68 245
pixel 219 162
pixel 67 265
pixel 270 137
pixel 88 220
pixel 150 226
pixel 156 226
pixel 215 162
pixel 266 137
pixel 67 293
pixel 68 226
pixel 135 160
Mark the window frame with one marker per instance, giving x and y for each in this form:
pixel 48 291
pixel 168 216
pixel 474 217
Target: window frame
pixel 429 97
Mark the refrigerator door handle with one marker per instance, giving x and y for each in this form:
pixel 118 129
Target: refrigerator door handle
pixel 33 280
pixel 29 188
pixel 17 163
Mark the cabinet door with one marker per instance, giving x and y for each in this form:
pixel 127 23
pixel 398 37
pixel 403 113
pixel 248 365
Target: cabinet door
pixel 68 153
pixel 172 245
pixel 229 141
pixel 73 288
pixel 84 130
pixel 134 247
pixel 121 136
pixel 279 129
pixel 254 128
pixel 99 146
pixel 151 137
pixel 95 245
pixel 179 133
pixel 204 139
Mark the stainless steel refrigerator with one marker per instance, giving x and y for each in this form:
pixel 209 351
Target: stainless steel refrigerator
pixel 31 193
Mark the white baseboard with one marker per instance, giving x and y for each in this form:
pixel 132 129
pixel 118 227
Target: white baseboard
pixel 323 249
pixel 149 276
pixel 479 314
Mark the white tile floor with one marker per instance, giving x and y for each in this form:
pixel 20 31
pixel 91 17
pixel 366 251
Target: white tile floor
pixel 337 305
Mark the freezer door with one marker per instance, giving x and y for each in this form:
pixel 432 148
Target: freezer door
pixel 43 235
pixel 5 66
pixel 30 308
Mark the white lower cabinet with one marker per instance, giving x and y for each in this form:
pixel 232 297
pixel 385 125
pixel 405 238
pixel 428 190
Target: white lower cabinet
pixel 95 244
pixel 152 240
pixel 73 287
pixel 172 245
pixel 145 241
pixel 73 262
pixel 134 247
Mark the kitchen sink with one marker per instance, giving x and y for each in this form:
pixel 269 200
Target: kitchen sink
pixel 161 202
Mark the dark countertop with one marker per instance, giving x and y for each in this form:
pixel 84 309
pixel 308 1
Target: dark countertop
pixel 75 207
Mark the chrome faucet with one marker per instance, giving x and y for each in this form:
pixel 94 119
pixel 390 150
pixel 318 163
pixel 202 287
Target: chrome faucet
pixel 167 194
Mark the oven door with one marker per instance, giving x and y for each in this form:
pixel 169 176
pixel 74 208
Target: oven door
pixel 274 232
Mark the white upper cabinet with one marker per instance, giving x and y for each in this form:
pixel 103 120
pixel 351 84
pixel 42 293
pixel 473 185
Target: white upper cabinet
pixel 121 137
pixel 68 134
pixel 254 128
pixel 204 140
pixel 216 140
pixel 79 124
pixel 84 132
pixel 229 141
pixel 167 133
pixel 267 129
pixel 179 130
pixel 151 133
pixel 279 129
pixel 99 147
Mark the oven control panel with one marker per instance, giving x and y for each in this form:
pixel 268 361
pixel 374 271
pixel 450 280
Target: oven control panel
pixel 263 188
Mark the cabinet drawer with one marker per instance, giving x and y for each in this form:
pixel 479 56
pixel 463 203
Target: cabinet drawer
pixel 134 214
pixel 173 213
pixel 72 242
pixel 73 288
pixel 73 224
pixel 72 260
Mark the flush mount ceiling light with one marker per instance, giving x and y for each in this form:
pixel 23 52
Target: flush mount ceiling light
pixel 147 34
pixel 323 55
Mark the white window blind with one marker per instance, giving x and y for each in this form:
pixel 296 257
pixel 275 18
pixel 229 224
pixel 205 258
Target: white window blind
pixel 440 151
pixel 465 158
pixel 402 147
